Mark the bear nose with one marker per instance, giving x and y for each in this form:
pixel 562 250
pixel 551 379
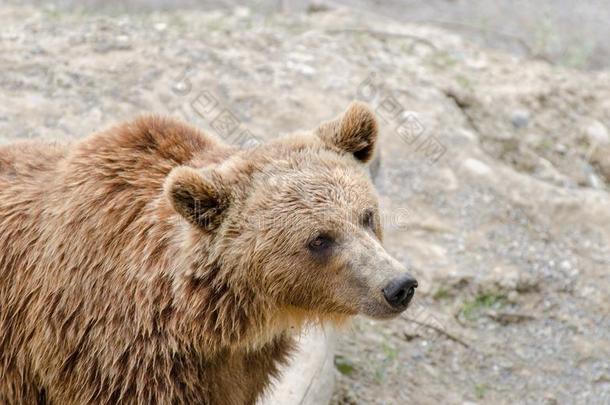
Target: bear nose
pixel 399 291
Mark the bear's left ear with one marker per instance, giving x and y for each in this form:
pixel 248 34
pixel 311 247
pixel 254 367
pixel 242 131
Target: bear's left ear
pixel 197 195
pixel 355 131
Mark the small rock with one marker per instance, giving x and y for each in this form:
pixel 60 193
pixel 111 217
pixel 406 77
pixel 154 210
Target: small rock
pixel 477 63
pixel 411 332
pixel 593 179
pixel 160 26
pixel 550 399
pixel 597 133
pixel 467 134
pixel 447 180
pixel 476 167
pixel 520 118
pixel 505 277
pixel 242 12
pixel 561 148
pixel 302 68
pixel 602 378
pixel 545 170
pixel 511 280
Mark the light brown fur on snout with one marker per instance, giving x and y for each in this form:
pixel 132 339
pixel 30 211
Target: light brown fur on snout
pixel 152 264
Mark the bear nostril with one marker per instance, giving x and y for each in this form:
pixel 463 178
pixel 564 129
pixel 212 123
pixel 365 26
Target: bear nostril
pixel 399 292
pixel 402 294
pixel 410 293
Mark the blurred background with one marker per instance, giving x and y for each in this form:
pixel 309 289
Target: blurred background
pixel 493 172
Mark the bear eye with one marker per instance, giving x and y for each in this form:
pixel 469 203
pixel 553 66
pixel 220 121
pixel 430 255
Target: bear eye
pixel 368 219
pixel 320 243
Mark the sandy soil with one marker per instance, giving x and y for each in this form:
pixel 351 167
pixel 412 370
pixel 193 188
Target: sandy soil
pixel 494 173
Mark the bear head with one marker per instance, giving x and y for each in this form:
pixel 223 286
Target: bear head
pixel 293 225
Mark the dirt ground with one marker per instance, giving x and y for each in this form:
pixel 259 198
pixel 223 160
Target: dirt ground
pixel 494 173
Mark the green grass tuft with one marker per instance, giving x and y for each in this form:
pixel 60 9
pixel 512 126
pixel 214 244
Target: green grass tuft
pixel 472 308
pixel 344 365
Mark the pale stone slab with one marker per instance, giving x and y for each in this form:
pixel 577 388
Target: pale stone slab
pixel 309 378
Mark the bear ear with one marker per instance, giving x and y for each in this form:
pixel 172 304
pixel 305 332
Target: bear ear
pixel 196 195
pixel 355 131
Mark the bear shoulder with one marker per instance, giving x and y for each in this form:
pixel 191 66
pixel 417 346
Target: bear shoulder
pixel 153 137
pixel 141 151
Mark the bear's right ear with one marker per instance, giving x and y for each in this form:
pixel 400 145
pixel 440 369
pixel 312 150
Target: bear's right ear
pixel 355 131
pixel 198 196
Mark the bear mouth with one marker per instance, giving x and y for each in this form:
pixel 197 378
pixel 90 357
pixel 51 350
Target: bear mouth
pixel 377 309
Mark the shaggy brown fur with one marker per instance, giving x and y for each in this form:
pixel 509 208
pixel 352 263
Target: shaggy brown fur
pixel 152 264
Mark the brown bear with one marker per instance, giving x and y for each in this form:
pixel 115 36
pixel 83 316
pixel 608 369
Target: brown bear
pixel 153 264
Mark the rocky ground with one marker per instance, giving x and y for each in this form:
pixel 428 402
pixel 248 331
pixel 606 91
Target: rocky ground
pixel 494 173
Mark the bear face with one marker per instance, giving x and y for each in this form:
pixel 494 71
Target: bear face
pixel 319 236
pixel 296 222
